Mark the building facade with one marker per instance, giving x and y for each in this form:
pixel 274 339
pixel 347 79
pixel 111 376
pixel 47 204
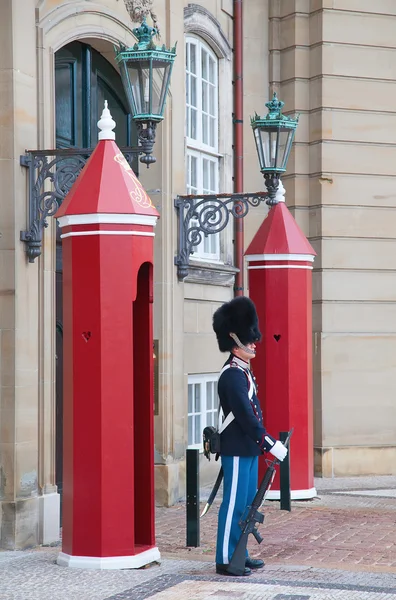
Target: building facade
pixel 332 61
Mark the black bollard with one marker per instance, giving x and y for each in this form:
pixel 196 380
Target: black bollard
pixel 192 495
pixel 284 474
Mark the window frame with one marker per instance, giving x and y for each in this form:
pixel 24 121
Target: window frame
pixel 202 379
pixel 198 143
pixel 209 250
pixel 213 253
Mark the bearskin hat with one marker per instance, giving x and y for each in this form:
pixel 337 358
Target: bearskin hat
pixel 240 317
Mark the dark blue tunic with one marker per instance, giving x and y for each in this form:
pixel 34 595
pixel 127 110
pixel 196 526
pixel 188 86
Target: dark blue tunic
pixel 246 434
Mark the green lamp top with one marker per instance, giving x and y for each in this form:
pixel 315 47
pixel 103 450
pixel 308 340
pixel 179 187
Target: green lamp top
pixel 274 116
pixel 144 35
pixel 145 47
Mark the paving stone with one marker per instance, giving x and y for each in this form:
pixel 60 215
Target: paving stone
pixel 257 590
pixel 382 493
pixel 339 535
pixel 341 546
pixel 291 597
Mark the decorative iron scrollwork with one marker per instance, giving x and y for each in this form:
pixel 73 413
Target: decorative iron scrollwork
pixel 204 215
pixel 52 174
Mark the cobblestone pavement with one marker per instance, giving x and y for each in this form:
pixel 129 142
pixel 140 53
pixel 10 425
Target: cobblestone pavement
pixel 340 546
pixel 340 528
pixel 35 576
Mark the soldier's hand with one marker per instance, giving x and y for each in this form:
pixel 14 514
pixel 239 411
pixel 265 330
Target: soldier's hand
pixel 279 450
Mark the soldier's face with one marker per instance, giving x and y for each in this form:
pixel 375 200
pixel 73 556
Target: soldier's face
pixel 241 353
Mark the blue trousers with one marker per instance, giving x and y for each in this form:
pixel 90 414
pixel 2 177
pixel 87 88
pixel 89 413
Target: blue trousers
pixel 239 489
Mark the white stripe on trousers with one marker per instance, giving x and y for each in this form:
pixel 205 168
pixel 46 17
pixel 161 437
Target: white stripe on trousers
pixel 231 506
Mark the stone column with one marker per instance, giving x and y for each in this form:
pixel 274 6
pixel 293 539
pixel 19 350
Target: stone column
pixel 168 177
pixel 19 511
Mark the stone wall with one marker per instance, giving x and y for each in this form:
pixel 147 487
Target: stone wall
pixel 333 61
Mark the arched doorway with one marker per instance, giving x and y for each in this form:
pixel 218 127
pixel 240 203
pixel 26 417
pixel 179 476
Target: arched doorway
pixel 84 79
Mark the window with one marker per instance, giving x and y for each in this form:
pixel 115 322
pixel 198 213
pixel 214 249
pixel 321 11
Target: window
pixel 202 157
pixel 201 94
pixel 202 406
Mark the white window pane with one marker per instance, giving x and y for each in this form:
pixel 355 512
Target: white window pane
pixel 193 170
pixel 205 174
pixel 193 91
pixel 193 124
pixel 212 175
pixel 190 431
pixel 193 61
pixel 209 395
pixel 205 137
pixel 188 169
pixel 207 244
pixel 202 93
pixel 202 394
pixel 205 92
pixel 211 244
pixel 212 103
pixel 197 429
pixel 190 398
pixel 204 64
pixel 212 70
pixel 197 397
pixel 212 133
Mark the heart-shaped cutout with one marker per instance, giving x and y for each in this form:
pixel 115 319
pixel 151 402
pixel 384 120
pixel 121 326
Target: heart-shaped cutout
pixel 277 337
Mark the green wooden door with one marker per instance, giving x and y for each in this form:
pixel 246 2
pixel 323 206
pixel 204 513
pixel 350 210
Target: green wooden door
pixel 84 79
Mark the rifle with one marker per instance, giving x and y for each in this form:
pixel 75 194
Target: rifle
pixel 253 516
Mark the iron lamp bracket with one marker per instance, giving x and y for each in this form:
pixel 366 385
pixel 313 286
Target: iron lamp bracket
pixel 203 215
pixel 51 174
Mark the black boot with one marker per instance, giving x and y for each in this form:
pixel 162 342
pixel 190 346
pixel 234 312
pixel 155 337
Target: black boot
pixel 223 570
pixel 254 563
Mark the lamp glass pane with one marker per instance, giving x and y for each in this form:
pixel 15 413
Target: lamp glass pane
pixel 161 71
pixel 266 145
pixel 285 139
pixel 139 86
pixel 260 148
pixel 288 146
pixel 273 146
pixel 131 93
pixel 272 139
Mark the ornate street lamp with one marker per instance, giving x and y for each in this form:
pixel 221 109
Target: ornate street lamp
pixel 274 135
pixel 146 71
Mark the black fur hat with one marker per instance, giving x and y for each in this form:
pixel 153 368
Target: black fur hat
pixel 238 316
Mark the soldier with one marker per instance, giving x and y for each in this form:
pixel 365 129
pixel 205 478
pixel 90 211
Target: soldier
pixel 245 437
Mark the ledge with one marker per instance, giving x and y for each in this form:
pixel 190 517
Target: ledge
pixel 211 273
